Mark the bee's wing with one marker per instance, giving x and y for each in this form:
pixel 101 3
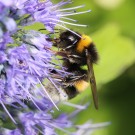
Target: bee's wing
pixel 91 77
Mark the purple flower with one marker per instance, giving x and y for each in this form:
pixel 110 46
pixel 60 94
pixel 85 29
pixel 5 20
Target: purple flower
pixel 88 127
pixel 24 69
pixel 43 123
pixel 3 57
pixel 37 39
pixel 48 14
pixel 25 66
pixel 4 40
pixel 6 21
pixel 28 87
pixel 2 88
pixel 9 23
pixel 7 3
pixel 12 132
pixel 29 63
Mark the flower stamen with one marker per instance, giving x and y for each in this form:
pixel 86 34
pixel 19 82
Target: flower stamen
pixel 75 13
pixel 72 8
pixel 7 112
pixel 47 94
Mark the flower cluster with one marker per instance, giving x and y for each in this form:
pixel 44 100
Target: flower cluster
pixel 26 60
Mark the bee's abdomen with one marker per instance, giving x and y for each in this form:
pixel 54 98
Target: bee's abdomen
pixel 93 53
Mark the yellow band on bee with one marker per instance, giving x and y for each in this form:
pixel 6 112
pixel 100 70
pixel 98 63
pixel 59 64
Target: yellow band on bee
pixel 83 43
pixel 81 85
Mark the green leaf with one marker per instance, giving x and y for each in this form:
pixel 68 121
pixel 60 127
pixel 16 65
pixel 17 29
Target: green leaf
pixel 116 52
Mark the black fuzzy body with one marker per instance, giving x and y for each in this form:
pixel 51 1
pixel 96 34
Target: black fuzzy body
pixel 73 60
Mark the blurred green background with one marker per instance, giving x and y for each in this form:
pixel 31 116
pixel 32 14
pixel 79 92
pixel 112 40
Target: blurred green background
pixel 112 27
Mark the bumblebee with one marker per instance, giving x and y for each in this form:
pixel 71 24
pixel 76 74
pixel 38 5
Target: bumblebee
pixel 78 50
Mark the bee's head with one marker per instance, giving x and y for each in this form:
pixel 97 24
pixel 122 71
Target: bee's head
pixel 68 38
